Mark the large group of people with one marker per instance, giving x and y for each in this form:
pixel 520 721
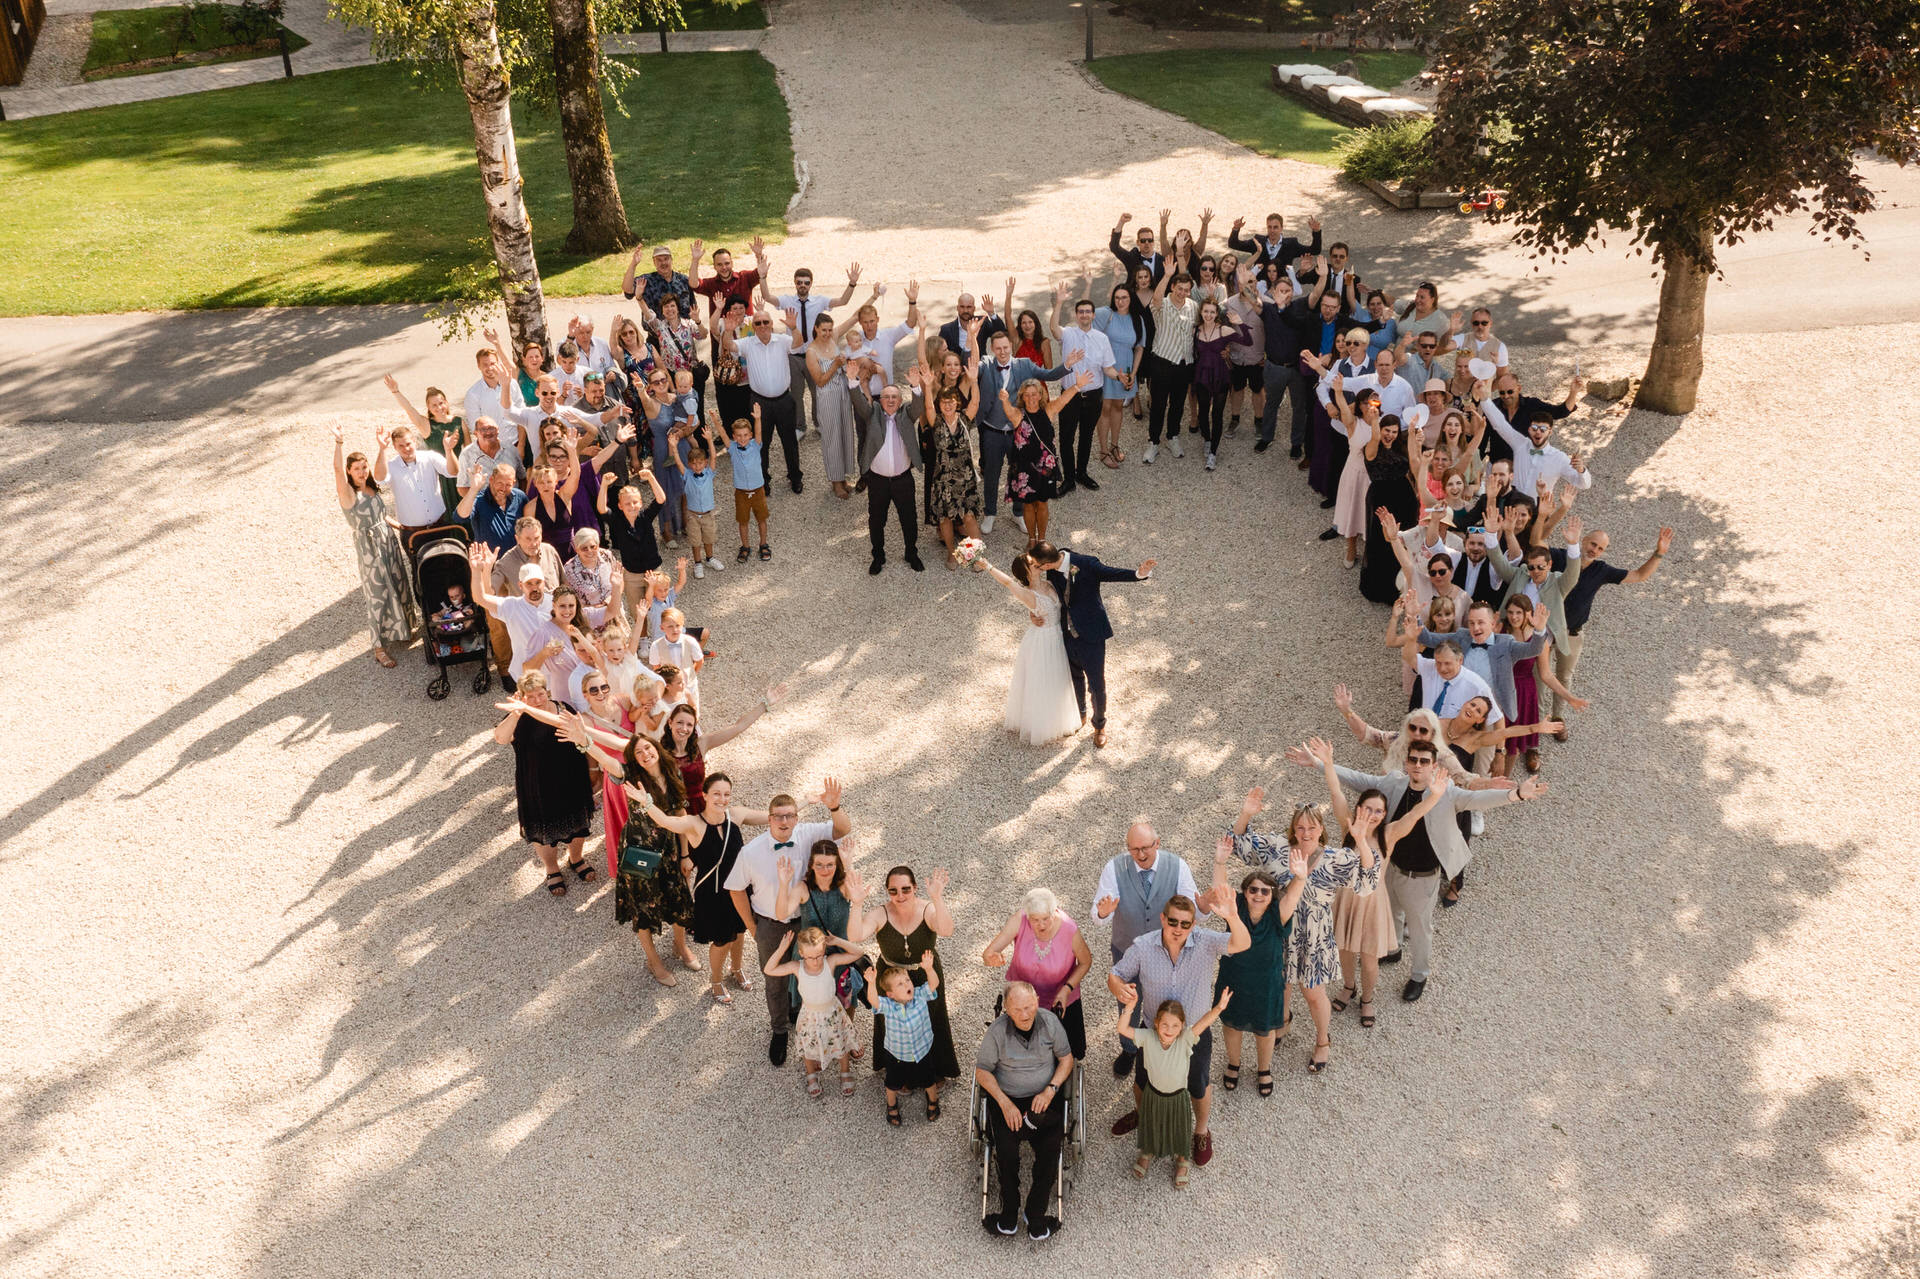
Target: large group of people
pixel 574 473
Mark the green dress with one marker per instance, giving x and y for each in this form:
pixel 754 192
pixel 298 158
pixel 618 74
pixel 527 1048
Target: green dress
pixel 444 438
pixel 385 583
pixel 1257 975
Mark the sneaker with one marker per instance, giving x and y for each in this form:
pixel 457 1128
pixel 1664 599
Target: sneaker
pixel 1209 459
pixel 1174 444
pixel 699 568
pixel 1153 451
pixel 1262 446
pixel 998 1224
pixel 1233 426
pixel 1042 1229
pixel 1477 822
pixel 713 562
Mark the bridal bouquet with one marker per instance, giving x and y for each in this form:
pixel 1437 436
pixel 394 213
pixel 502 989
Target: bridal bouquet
pixel 969 551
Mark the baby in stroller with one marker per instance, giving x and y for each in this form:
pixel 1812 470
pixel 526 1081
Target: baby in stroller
pixel 453 628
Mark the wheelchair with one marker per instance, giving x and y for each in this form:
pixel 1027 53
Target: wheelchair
pixel 1073 1150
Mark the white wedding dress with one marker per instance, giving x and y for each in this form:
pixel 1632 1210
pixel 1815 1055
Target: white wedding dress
pixel 1040 704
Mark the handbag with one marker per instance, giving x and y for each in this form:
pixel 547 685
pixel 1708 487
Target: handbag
pixel 638 859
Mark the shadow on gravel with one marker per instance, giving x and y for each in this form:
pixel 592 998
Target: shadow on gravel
pixel 556 1087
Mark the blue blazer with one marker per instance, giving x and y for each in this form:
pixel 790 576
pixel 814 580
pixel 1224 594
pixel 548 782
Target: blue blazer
pixel 1079 585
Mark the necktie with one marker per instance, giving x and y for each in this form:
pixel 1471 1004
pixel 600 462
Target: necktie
pixel 804 302
pixel 1440 702
pixel 1146 884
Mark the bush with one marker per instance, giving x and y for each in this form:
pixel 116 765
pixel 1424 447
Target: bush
pixel 1394 152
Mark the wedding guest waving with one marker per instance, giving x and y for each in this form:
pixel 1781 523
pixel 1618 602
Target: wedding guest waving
pixel 908 931
pixel 1049 956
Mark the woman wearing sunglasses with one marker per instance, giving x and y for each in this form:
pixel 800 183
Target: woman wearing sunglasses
pixel 1257 975
pixel 907 928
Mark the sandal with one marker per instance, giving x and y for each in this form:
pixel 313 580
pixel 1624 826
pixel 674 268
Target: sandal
pixel 385 658
pixel 1141 1165
pixel 741 980
pixel 1230 1078
pixel 582 869
pixel 1366 1018
pixel 1340 1005
pixel 1315 1067
pixel 893 1114
pixel 933 1109
pixel 846 1083
pixel 743 556
pixel 1264 1080
pixel 766 552
pixel 720 995
pixel 556 885
pixel 814 1090
pixel 1182 1172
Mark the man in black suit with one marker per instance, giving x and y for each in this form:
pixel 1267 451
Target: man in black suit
pixel 1146 252
pixel 1473 571
pixel 1276 245
pixel 954 332
pixel 1084 626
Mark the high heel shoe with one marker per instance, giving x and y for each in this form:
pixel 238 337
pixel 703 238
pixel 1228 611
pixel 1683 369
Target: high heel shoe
pixel 1315 1067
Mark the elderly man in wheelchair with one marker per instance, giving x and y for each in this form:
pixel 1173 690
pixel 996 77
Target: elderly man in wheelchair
pixel 1021 1079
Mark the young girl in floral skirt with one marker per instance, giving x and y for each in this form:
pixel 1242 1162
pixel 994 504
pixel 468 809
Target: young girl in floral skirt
pixel 824 1031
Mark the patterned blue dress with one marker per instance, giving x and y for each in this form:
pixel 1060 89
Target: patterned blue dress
pixel 1313 956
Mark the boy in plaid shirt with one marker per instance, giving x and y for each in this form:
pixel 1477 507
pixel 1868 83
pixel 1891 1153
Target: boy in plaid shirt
pixel 909 1040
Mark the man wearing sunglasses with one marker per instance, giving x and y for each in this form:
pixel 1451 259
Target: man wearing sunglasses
pixel 1145 251
pixel 1180 962
pixel 1523 408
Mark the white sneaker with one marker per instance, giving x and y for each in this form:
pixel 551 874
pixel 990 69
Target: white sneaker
pixel 1174 444
pixel 713 562
pixel 699 570
pixel 986 523
pixel 1153 451
pixel 1477 823
pixel 1209 459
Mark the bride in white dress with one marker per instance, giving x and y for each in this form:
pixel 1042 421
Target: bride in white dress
pixel 1040 705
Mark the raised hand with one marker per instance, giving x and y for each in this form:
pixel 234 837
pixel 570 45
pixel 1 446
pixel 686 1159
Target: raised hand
pixel 937 883
pixel 995 959
pixel 1256 801
pixel 1223 848
pixel 1105 906
pixel 491 335
pixel 1313 224
pixel 1321 749
pixel 1146 568
pixel 1301 756
pixel 785 867
pixel 1342 698
pixel 830 791
pixel 1297 862
pixel 1237 224
pixel 1129 994
pixel 1226 993
pixel 775 692
pixel 1665 540
pixel 1573 528
pixel 926 960
pixel 1532 788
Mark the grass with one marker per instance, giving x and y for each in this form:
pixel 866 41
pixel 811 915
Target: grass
pixel 139 36
pixel 1259 15
pixel 355 186
pixel 721 15
pixel 1230 91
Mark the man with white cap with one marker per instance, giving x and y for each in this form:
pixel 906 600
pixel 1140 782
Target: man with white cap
pixel 524 615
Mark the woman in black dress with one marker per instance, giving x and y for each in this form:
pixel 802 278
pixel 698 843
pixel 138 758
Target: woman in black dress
pixel 1390 485
pixel 713 841
pixel 1034 469
pixel 551 783
pixel 906 928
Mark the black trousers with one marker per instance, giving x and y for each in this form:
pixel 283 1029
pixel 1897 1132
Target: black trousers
pixel 778 413
pixel 1081 418
pixel 1087 663
pixel 1171 383
pixel 1212 415
pixel 894 491
pixel 1047 1135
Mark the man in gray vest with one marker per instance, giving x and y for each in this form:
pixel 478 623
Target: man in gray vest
pixel 1133 888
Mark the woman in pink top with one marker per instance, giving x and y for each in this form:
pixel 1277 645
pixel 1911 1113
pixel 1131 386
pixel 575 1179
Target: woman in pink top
pixel 1049 955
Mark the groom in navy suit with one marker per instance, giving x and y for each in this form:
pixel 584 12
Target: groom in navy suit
pixel 1084 627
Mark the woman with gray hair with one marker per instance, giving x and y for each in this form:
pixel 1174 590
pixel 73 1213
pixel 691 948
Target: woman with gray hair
pixel 595 578
pixel 1049 955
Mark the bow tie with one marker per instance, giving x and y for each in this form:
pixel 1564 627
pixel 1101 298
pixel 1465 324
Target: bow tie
pixel 1537 452
pixel 1481 644
pixel 777 847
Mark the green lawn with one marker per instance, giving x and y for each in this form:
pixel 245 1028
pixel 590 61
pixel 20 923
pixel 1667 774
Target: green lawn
pixel 1231 92
pixel 720 15
pixel 123 36
pixel 354 186
pixel 1245 15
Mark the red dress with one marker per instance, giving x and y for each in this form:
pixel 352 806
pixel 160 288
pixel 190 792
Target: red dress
pixel 1030 350
pixel 1526 705
pixel 693 775
pixel 613 808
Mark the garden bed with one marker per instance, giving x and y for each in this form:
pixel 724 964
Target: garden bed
pixel 140 41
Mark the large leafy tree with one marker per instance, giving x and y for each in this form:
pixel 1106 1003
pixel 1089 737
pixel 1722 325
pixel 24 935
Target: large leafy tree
pixel 1682 124
pixel 466 34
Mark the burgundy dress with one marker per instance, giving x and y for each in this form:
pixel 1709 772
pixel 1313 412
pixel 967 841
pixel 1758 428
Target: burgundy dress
pixel 1526 705
pixel 693 775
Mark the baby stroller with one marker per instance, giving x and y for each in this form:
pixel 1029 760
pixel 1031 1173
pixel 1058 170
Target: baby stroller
pixel 455 632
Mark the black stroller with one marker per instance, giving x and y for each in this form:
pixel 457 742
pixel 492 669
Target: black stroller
pixel 456 632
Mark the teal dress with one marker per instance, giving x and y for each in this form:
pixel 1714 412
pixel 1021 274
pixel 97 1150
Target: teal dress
pixel 1257 975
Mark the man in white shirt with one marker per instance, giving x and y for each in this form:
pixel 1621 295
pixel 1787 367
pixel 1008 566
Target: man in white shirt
pixel 805 307
pixel 414 474
pixel 768 358
pixel 478 459
pixel 1085 347
pixel 770 861
pixel 1483 344
pixel 889 452
pixel 527 616
pixel 866 340
pixel 1446 684
pixel 527 420
pixel 496 378
pixel 1396 396
pixel 594 352
pixel 1533 458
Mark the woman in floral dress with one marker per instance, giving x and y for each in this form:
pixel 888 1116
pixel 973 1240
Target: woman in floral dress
pixel 385 583
pixel 1033 464
pixel 953 482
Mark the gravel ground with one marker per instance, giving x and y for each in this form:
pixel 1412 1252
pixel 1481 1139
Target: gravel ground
pixel 316 1017
pixel 60 51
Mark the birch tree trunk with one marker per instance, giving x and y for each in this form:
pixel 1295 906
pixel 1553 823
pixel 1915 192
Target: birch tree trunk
pixel 599 217
pixel 483 79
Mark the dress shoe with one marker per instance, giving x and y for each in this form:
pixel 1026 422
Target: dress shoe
pixel 1202 1149
pixel 1303 463
pixel 1261 446
pixel 1532 759
pixel 1326 504
pixel 1330 535
pixel 509 683
pixel 1414 990
pixel 1099 737
pixel 777 1050
pixel 797 485
pixel 879 562
pixel 1394 958
pixel 1294 454
pixel 1126 1123
pixel 1561 736
pixel 1087 482
pixel 1123 1066
pixel 913 562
